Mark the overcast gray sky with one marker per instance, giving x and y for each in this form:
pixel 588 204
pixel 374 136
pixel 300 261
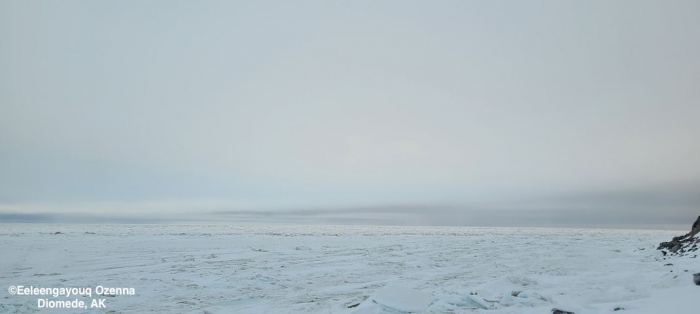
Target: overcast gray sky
pixel 134 108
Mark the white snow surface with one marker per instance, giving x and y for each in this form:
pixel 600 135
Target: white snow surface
pixel 348 269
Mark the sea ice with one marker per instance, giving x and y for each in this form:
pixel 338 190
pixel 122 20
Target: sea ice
pixel 403 299
pixel 350 269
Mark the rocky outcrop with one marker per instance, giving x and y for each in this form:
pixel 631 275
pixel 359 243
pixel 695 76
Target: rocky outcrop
pixel 685 245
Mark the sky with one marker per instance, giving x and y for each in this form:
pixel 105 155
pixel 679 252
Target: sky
pixel 540 113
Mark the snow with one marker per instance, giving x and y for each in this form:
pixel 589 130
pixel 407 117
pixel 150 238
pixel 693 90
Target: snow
pixel 349 269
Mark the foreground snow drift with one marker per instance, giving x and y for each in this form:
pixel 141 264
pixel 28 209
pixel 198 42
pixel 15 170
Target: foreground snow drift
pixel 343 270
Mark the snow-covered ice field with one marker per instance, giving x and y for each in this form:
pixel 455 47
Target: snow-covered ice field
pixel 348 269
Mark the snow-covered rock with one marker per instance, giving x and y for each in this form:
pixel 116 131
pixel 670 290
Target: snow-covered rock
pixel 684 245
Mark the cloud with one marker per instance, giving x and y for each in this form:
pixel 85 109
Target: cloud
pixel 670 208
pixel 357 104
